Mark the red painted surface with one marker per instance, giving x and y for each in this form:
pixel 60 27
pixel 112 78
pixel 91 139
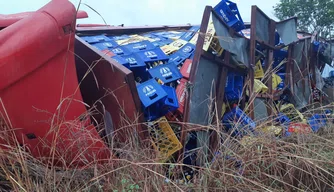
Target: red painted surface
pixel 185 69
pixel 299 128
pixel 39 87
pixel 181 94
pixel 6 20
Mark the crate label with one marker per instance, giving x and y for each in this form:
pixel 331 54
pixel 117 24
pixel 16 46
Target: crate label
pixel 165 72
pixel 187 49
pixel 131 60
pixel 149 90
pixel 139 46
pixel 117 51
pixel 224 16
pixel 150 54
pixel 107 44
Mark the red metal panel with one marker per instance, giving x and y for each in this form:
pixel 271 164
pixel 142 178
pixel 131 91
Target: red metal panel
pixel 39 88
pixel 114 85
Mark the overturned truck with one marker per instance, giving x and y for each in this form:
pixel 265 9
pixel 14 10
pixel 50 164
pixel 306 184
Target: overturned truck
pixel 72 92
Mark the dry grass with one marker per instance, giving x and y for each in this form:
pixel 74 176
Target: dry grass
pixel 301 162
pixel 297 163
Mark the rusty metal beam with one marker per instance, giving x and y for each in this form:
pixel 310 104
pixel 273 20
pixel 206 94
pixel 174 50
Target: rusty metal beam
pixel 269 67
pixel 290 69
pixel 117 30
pixel 193 71
pixel 252 61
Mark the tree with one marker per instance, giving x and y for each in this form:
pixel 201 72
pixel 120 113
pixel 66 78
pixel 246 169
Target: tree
pixel 313 15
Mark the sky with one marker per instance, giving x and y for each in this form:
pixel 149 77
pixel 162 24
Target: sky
pixel 143 12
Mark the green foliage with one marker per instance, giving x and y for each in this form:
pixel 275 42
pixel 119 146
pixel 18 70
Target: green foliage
pixel 313 15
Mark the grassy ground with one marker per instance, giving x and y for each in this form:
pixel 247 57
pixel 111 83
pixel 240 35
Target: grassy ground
pixel 298 163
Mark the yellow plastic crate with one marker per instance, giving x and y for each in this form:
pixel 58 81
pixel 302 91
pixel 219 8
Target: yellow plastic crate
pixel 259 87
pixel 164 139
pixel 248 140
pixel 134 39
pixel 258 73
pixel 276 80
pixel 277 130
pixel 215 46
pixel 167 49
pixel 290 111
pixel 178 44
pixel 210 32
pixel 194 39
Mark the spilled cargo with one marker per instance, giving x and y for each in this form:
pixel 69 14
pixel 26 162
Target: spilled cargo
pixel 221 71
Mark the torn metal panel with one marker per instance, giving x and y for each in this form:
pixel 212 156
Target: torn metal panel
pixel 202 99
pixel 260 110
pixel 287 30
pixel 243 49
pixel 301 100
pixel 262 26
pixel 225 39
pixel 236 46
pixel 297 60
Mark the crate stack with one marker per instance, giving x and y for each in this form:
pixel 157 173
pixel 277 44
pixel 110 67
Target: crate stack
pixel 161 63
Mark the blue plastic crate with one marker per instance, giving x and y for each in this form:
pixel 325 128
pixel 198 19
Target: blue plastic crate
pixel 121 61
pixel 162 43
pixel 238 120
pixel 319 47
pixel 152 56
pixel 278 40
pixel 234 86
pixel 140 46
pixel 187 50
pixel 171 103
pixel 154 37
pixel 95 39
pixel 177 59
pixel 285 122
pixel 120 50
pixel 190 152
pixel 167 73
pixel 316 122
pixel 137 66
pixel 190 33
pixel 279 56
pixel 170 35
pixel 331 74
pixel 229 12
pixel 282 84
pixel 105 45
pixel 150 93
pixel 122 37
